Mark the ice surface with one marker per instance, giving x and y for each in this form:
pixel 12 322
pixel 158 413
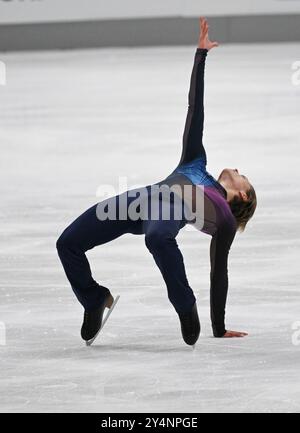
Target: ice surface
pixel 72 121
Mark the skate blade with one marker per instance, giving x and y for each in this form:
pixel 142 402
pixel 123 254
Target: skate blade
pixel 90 342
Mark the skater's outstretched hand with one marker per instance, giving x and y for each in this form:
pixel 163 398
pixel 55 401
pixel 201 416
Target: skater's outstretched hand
pixel 232 334
pixel 204 41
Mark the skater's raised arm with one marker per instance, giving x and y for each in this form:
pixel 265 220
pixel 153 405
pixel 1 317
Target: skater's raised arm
pixel 192 137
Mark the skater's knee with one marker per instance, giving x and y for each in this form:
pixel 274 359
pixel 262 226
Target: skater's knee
pixel 64 242
pixel 60 243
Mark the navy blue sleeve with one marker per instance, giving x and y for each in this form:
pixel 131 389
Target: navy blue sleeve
pixel 192 146
pixel 219 250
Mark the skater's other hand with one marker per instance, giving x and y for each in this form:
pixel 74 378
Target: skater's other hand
pixel 232 334
pixel 204 41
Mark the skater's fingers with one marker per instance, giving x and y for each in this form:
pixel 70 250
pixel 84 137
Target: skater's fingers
pixel 203 25
pixel 233 334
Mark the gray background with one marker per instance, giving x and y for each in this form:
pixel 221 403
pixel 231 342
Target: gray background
pixel 45 24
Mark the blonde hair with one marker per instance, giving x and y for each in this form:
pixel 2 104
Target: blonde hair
pixel 243 210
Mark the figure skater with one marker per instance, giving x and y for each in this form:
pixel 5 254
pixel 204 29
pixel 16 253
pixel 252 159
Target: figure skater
pixel 228 204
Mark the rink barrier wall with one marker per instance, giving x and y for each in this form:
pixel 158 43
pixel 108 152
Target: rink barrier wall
pixel 147 32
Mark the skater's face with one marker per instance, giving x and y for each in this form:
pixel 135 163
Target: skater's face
pixel 235 181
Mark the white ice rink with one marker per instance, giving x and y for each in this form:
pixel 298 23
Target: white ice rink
pixel 74 120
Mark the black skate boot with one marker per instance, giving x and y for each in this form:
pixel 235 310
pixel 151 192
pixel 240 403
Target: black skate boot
pixel 190 325
pixel 93 319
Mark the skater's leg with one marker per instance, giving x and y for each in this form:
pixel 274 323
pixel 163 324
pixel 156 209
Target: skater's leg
pixel 160 240
pixel 84 233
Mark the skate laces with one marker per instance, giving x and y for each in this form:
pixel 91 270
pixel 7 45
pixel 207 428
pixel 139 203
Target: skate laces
pixel 187 320
pixel 87 316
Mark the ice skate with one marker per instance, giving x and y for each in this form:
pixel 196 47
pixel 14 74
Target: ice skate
pixel 190 326
pixel 93 320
